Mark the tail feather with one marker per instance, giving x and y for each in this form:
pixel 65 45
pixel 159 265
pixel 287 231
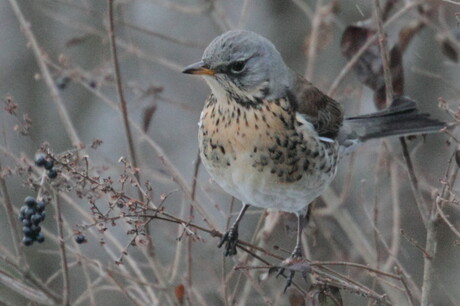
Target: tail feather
pixel 402 118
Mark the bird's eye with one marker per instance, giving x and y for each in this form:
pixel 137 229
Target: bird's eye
pixel 237 67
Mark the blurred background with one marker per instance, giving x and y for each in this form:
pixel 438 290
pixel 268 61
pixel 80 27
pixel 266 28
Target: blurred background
pixel 358 220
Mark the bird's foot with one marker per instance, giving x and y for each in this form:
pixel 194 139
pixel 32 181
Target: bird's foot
pixel 294 263
pixel 230 239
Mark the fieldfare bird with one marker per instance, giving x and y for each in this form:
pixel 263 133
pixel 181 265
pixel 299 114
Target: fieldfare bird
pixel 270 138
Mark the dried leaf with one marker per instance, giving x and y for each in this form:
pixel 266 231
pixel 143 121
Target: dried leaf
pixel 296 300
pixel 323 295
pixel 387 8
pixel 77 40
pixel 369 67
pixel 330 296
pixel 147 116
pixel 397 78
pixel 408 32
pixel 179 291
pixel 447 48
pixel 353 38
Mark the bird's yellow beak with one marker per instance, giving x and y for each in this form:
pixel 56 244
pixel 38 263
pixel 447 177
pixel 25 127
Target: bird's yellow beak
pixel 198 68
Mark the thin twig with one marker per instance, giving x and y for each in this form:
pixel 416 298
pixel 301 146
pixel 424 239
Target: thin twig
pixel 38 283
pixel 376 202
pixel 196 168
pixel 246 258
pixel 89 287
pixel 244 15
pixel 119 86
pixel 62 249
pixel 255 284
pixel 305 8
pixel 423 210
pixel 414 243
pixel 352 62
pixel 195 9
pixel 428 269
pixel 452 1
pixel 431 246
pixel 122 288
pixel 184 42
pixel 18 285
pixel 387 249
pixel 189 278
pixel 167 163
pixel 129 47
pixel 395 233
pixel 124 113
pixel 33 279
pixel 39 56
pixel 384 53
pixel 403 279
pixel 325 271
pixel 354 265
pixel 313 40
pixel 446 220
pixel 12 220
pixel 219 17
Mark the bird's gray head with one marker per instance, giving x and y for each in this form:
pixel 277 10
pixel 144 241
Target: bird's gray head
pixel 245 64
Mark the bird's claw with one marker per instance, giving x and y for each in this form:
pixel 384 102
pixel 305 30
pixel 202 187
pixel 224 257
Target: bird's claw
pixel 230 239
pixel 289 278
pixel 294 263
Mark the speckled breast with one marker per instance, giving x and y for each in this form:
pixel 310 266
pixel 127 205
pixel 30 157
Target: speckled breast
pixel 261 155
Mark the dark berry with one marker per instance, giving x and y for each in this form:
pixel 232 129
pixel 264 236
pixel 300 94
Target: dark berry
pixel 29 212
pixel 92 84
pixel 27 231
pixel 40 238
pixel 52 173
pixel 40 206
pixel 40 160
pixel 22 212
pixel 80 239
pixel 49 164
pixel 26 222
pixel 35 229
pixel 43 215
pixel 62 82
pixel 36 218
pixel 30 202
pixel 27 241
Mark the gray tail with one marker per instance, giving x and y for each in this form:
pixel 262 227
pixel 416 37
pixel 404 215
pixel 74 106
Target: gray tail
pixel 402 118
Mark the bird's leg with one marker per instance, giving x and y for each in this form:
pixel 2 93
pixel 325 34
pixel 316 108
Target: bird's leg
pixel 295 261
pixel 230 238
pixel 302 221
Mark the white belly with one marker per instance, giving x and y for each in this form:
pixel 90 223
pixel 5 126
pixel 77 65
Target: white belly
pixel 262 189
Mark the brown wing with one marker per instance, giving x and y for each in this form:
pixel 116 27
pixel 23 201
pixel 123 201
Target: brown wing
pixel 323 112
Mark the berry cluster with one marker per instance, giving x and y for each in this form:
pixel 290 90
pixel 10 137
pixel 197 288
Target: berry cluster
pixel 31 215
pixel 48 164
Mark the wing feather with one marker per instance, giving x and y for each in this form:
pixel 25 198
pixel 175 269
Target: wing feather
pixel 323 112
